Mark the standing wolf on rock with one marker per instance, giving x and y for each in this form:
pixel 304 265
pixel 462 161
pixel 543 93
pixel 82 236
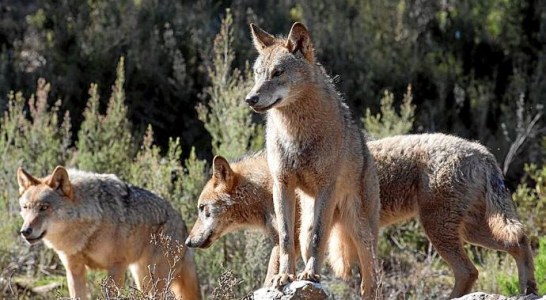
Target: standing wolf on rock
pixel 453 186
pixel 98 221
pixel 314 146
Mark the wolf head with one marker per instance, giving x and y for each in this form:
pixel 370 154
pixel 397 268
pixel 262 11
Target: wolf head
pixel 215 206
pixel 39 199
pixel 283 66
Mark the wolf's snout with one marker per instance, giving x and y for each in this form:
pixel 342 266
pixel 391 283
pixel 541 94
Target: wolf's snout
pixel 252 100
pixel 26 232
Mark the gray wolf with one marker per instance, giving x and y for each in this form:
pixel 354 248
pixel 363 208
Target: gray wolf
pixel 313 146
pixel 437 178
pixel 98 221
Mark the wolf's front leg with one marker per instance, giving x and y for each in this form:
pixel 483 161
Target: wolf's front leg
pixel 284 203
pixel 75 277
pixel 273 266
pixel 318 232
pixel 307 206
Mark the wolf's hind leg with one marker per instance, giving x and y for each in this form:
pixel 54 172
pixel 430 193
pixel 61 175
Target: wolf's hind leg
pixel 444 235
pixel 478 233
pixel 362 234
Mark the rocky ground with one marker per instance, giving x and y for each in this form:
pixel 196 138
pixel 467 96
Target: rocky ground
pixel 306 290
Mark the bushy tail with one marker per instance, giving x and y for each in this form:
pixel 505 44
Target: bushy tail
pixel 500 210
pixel 340 253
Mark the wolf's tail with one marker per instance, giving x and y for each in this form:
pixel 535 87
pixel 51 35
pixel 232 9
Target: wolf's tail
pixel 340 253
pixel 500 210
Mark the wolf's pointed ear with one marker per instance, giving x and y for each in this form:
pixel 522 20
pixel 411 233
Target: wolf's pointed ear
pixel 300 40
pixel 59 180
pixel 261 38
pixel 221 170
pixel 25 180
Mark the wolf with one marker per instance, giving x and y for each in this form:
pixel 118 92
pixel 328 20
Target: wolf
pixel 453 186
pixel 313 146
pixel 98 221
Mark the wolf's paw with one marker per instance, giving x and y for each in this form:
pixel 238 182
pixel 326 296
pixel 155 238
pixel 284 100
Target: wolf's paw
pixel 309 276
pixel 281 279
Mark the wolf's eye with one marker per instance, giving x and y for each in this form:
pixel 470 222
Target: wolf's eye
pixel 25 206
pixel 201 207
pixel 44 207
pixel 276 73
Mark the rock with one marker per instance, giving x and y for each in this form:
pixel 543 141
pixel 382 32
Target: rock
pixel 297 290
pixel 484 296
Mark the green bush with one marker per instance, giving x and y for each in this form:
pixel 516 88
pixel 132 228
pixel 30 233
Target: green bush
pixel 388 122
pixel 226 116
pixel 105 142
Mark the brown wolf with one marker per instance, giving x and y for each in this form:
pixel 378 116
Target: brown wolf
pixel 98 221
pixel 451 185
pixel 313 146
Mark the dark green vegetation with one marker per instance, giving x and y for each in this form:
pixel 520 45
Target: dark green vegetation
pixel 477 69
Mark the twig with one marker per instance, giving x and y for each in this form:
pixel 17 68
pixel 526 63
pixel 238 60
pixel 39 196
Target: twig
pixel 521 137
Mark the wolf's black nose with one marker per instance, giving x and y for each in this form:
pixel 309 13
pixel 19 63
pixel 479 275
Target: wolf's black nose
pixel 252 100
pixel 26 232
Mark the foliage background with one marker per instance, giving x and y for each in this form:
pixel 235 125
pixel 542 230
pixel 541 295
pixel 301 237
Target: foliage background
pixel 179 72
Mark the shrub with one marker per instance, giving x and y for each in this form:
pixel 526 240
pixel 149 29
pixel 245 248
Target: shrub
pixel 388 122
pixel 105 142
pixel 226 116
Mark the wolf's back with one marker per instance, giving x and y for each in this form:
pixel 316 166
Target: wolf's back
pixel 119 201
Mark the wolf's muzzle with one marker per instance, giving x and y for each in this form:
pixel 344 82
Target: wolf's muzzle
pixel 27 235
pixel 252 100
pixel 26 232
pixel 203 244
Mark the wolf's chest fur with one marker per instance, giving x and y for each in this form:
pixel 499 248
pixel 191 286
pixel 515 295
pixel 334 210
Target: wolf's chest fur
pixel 293 152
